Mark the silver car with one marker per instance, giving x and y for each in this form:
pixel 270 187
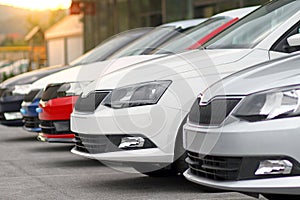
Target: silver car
pixel 243 133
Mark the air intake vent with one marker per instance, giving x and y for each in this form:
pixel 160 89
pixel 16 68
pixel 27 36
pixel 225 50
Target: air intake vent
pixel 31 95
pixel 91 102
pixel 214 167
pixel 51 92
pixel 214 113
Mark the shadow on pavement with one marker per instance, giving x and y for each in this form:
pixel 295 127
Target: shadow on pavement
pixel 26 138
pixel 148 184
pixel 78 163
pixel 50 148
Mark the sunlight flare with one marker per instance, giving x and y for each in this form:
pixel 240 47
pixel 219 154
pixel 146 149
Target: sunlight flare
pixel 38 4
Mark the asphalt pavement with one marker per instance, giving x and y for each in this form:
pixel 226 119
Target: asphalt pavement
pixel 30 169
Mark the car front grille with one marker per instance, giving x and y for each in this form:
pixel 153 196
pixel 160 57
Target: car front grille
pixel 31 122
pixel 51 92
pixel 214 167
pixel 213 113
pixel 78 144
pixel 30 96
pixel 92 144
pixel 91 102
pixel 226 168
pixel 48 127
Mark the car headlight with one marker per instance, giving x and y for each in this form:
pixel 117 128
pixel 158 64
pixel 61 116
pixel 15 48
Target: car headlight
pixel 71 89
pixel 269 105
pixel 136 95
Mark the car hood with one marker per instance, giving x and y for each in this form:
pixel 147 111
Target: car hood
pixel 277 73
pixel 90 72
pixel 180 66
pixel 30 77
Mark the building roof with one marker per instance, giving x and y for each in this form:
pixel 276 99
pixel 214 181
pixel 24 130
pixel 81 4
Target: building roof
pixel 32 33
pixel 71 25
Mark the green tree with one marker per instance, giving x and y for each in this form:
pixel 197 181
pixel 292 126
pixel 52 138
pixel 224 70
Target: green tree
pixel 4 76
pixel 11 74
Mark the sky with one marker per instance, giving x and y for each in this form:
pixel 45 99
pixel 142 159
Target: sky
pixel 38 4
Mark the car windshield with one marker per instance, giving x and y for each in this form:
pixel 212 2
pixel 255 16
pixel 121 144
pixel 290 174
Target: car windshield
pixel 109 46
pixel 252 29
pixel 183 41
pixel 148 42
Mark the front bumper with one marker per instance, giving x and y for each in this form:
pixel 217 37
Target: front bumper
pixel 286 185
pixel 155 123
pixel 153 155
pixel 265 140
pixel 14 123
pixel 31 124
pixel 57 108
pixel 30 116
pixel 11 104
pixel 62 138
pixel 56 131
pixel 55 120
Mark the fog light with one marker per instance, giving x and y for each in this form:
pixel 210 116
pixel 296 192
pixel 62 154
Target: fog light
pixel 41 138
pixel 13 116
pixel 132 142
pixel 270 167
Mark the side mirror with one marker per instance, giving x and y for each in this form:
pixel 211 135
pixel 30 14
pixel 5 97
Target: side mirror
pixel 294 40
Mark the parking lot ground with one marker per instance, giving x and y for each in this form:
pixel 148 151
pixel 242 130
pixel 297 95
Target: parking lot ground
pixel 30 169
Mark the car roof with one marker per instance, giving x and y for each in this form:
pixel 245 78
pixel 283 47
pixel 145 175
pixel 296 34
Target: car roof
pixel 30 77
pixel 239 12
pixel 183 24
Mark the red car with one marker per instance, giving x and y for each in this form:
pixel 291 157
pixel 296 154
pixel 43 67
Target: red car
pixel 54 114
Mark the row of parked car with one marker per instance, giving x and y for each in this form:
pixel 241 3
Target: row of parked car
pixel 216 100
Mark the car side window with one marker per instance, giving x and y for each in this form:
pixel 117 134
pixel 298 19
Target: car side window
pixel 282 45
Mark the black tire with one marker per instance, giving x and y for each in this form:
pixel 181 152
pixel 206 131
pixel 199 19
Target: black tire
pixel 281 197
pixel 179 165
pixel 174 169
pixel 160 173
pixel 154 170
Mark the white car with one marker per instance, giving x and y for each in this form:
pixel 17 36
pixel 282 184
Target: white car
pixel 140 120
pixel 242 133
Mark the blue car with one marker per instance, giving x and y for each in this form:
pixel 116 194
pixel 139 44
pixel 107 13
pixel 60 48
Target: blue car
pixel 28 110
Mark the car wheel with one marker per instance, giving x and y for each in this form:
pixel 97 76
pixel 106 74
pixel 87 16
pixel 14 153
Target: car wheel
pixel 154 170
pixel 281 197
pixel 179 165
pixel 174 169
